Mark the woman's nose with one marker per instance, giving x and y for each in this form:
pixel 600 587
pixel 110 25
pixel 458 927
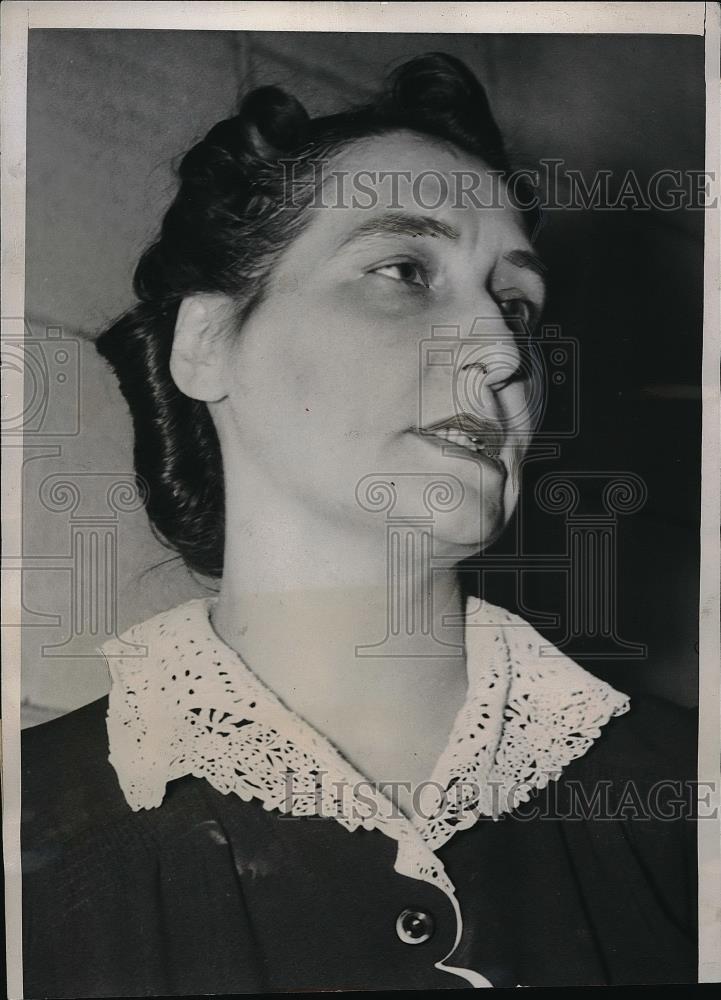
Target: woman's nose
pixel 467 361
pixel 488 358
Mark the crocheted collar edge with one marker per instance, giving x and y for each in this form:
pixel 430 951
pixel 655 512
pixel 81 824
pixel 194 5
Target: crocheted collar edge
pixel 543 690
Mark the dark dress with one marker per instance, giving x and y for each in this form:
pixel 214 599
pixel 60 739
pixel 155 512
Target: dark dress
pixel 211 894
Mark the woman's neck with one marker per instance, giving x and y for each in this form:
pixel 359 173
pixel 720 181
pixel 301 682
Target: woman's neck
pixel 311 619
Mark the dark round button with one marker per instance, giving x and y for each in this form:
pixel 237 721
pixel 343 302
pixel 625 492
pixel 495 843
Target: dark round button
pixel 414 926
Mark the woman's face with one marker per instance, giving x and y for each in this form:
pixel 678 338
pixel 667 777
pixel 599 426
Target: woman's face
pixel 383 347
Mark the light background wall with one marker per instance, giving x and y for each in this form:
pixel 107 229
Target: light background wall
pixel 108 114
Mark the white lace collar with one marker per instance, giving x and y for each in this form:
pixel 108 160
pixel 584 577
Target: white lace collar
pixel 190 706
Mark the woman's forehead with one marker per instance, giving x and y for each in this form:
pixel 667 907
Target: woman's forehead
pixel 405 149
pixel 407 176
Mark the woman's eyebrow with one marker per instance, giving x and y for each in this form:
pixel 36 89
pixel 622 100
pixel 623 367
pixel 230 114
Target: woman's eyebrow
pixel 401 224
pixel 527 259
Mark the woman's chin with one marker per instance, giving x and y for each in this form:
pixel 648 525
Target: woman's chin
pixel 468 531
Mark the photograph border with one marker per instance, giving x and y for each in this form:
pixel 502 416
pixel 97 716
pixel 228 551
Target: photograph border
pixel 522 18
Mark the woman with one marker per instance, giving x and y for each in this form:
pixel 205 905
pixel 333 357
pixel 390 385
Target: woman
pixel 291 800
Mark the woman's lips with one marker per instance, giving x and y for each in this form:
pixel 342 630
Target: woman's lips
pixel 466 435
pixel 481 430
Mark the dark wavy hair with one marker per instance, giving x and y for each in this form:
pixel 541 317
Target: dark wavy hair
pixel 230 220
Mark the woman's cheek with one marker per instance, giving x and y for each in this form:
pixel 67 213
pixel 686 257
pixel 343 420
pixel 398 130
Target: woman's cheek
pixel 515 415
pixel 379 297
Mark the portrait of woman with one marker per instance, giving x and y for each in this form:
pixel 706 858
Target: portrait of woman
pixel 345 765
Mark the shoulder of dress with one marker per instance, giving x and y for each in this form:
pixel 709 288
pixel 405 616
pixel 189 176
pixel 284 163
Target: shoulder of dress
pixel 67 781
pixel 70 742
pixel 655 741
pixel 646 736
pixel 546 683
pixel 71 794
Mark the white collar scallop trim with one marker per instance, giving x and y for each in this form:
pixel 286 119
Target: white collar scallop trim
pixel 190 706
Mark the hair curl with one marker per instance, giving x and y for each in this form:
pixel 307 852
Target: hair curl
pixel 225 228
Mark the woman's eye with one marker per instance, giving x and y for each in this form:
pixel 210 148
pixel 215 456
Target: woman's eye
pixel 405 270
pixel 519 315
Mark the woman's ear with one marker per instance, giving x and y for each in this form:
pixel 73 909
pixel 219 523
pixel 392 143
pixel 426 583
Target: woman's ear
pixel 198 360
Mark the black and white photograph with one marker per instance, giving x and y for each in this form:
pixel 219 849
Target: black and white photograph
pixel 360 497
